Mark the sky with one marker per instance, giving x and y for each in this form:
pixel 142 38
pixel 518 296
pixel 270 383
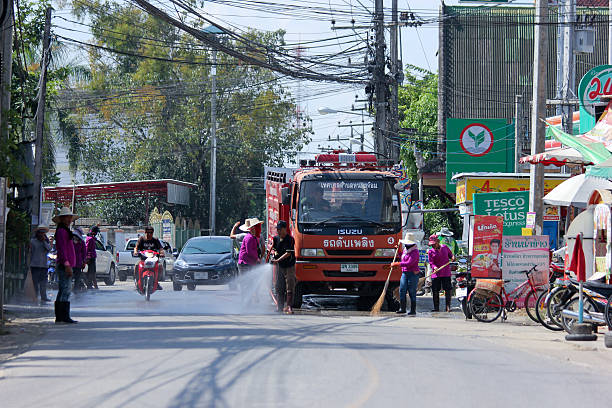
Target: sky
pixel 419 48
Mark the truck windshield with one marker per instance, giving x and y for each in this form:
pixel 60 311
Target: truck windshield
pixel 348 200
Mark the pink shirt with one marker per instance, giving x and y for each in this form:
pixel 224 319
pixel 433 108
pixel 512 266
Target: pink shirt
pixel 64 247
pixel 410 260
pixel 248 250
pixel 439 257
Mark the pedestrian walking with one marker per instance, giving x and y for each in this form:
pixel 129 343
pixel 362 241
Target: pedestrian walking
pixel 80 253
pixel 39 248
pixel 66 260
pixel 439 256
pixel 284 257
pixel 410 273
pixel 90 257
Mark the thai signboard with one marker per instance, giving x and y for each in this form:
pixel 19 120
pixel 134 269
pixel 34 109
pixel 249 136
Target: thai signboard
pixel 521 253
pixel 596 83
pixel 512 206
pixel 486 246
pixel 474 144
pixel 468 186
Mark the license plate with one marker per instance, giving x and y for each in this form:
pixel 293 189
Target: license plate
pixel 461 292
pixel 200 275
pixel 349 267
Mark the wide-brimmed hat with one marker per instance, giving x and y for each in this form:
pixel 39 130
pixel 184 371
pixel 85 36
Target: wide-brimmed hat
pixel 250 223
pixel 64 211
pixel 42 227
pixel 79 233
pixel 433 239
pixel 445 232
pixel 409 239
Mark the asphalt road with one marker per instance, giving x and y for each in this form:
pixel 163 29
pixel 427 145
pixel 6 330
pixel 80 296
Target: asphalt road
pixel 197 349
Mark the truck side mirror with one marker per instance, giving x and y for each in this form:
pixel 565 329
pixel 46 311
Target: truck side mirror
pixel 285 196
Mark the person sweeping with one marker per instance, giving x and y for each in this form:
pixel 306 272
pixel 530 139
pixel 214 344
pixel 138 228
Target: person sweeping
pixel 439 256
pixel 410 273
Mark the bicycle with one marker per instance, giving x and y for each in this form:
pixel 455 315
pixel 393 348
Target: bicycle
pixel 556 273
pixel 483 305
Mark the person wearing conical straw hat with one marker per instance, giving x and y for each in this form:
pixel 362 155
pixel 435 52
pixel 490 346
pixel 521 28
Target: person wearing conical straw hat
pixel 410 273
pixel 66 260
pixel 39 248
pixel 250 251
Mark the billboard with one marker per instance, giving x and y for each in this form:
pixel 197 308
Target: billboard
pixel 512 206
pixel 486 246
pixel 476 144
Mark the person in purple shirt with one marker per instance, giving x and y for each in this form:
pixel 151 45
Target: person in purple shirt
pixel 439 258
pixel 410 273
pixel 250 255
pixel 79 252
pixel 66 260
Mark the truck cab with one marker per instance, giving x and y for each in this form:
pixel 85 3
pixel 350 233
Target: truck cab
pixel 344 213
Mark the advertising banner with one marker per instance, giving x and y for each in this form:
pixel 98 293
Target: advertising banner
pixel 476 144
pixel 486 251
pixel 521 253
pixel 467 187
pixel 512 206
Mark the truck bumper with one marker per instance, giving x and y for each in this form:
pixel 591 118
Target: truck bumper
pixel 329 272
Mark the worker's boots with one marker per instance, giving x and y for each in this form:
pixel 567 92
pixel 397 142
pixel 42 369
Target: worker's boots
pixel 412 309
pixel 402 309
pixel 449 299
pixel 436 301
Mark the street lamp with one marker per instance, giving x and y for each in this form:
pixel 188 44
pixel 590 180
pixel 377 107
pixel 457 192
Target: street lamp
pixel 324 110
pixel 213 30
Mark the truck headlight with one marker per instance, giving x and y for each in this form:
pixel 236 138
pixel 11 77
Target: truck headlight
pixel 312 252
pixel 388 252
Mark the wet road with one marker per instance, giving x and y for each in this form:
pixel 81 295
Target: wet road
pixel 195 349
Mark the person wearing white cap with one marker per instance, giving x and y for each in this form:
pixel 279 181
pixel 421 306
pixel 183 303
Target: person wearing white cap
pixel 39 248
pixel 446 238
pixel 66 260
pixel 410 273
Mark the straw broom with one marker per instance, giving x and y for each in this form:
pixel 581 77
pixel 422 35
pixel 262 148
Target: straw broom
pixel 396 291
pixel 378 305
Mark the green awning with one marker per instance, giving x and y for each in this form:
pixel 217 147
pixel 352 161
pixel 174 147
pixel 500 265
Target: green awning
pixel 595 152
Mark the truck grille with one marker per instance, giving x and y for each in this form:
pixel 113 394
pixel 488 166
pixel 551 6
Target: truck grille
pixel 338 274
pixel 340 252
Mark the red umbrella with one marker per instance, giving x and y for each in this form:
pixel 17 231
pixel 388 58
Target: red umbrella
pixel 578 264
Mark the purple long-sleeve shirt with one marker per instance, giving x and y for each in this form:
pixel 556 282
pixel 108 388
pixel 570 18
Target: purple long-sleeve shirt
pixel 410 260
pixel 90 245
pixel 79 252
pixel 439 257
pixel 248 250
pixel 64 247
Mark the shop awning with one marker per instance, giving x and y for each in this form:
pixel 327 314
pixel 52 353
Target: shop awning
pixel 560 156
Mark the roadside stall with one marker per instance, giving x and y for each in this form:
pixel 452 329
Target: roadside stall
pixel 601 202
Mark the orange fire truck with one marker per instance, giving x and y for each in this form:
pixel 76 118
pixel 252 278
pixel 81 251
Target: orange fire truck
pixel 344 212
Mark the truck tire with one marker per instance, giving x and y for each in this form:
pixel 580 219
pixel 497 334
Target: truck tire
pixel 122 276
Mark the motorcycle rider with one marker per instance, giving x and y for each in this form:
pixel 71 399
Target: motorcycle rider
pixel 148 242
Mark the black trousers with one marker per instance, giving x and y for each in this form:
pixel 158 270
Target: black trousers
pixel 39 279
pixel 441 283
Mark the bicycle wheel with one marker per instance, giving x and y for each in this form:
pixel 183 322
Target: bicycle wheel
pixel 531 302
pixel 486 308
pixel 541 313
pixel 568 323
pixel 554 305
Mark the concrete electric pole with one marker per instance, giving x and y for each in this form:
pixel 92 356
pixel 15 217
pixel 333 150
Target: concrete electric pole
pixel 40 119
pixel 394 150
pixel 6 53
pixel 213 143
pixel 538 112
pixel 569 68
pixel 380 142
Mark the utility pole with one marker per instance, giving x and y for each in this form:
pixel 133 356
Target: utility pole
pixel 569 68
pixel 380 142
pixel 6 53
pixel 394 150
pixel 538 112
pixel 518 130
pixel 40 119
pixel 213 142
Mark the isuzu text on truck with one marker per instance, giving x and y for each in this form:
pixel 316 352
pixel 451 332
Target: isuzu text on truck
pixel 344 212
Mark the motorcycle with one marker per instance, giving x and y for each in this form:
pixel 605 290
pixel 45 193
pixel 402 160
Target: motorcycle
pixel 148 269
pixel 464 285
pixel 51 275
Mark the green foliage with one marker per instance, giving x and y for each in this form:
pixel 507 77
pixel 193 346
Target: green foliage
pixel 434 221
pixel 154 121
pixel 418 109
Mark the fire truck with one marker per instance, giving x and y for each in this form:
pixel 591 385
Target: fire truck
pixel 344 213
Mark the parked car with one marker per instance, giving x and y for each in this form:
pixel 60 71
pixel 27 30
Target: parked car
pixel 205 261
pixel 105 264
pixel 126 261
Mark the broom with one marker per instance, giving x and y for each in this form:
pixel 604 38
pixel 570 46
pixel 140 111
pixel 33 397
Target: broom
pixel 378 305
pixel 396 291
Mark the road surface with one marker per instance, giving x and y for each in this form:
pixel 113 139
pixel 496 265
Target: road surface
pixel 196 349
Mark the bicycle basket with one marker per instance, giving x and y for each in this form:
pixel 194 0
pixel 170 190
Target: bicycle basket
pixel 489 285
pixel 539 277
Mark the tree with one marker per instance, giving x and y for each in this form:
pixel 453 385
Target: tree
pixel 418 107
pixel 143 114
